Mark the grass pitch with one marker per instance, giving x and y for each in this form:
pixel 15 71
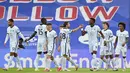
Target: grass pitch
pixel 80 70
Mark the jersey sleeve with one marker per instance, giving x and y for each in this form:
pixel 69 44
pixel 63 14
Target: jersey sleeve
pixel 55 34
pixel 117 33
pixel 111 34
pixel 70 31
pixel 98 29
pixel 7 36
pixel 127 34
pixel 36 28
pixel 17 30
pixel 86 29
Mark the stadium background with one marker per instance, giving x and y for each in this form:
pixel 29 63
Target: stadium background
pixel 80 51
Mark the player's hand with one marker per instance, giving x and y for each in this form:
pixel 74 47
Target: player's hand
pixel 26 40
pixel 105 43
pixel 59 49
pixel 123 44
pixel 81 26
pixel 4 44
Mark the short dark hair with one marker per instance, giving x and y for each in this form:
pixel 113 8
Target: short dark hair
pixel 123 24
pixel 43 21
pixel 106 24
pixel 11 20
pixel 65 23
pixel 48 24
pixel 93 19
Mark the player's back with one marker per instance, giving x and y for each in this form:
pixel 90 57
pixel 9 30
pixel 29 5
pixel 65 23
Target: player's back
pixel 40 29
pixel 13 34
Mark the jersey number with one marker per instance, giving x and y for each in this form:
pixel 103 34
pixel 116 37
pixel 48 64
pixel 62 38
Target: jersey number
pixel 63 35
pixel 40 31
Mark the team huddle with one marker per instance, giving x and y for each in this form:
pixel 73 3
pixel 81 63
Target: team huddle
pixel 49 40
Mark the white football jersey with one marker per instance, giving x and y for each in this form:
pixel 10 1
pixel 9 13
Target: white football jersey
pixel 122 37
pixel 13 35
pixel 92 33
pixel 41 29
pixel 108 35
pixel 65 35
pixel 51 35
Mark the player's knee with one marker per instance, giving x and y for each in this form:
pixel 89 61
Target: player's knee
pixel 116 55
pixel 39 53
pixel 106 56
pixel 15 54
pixel 68 58
pixel 111 56
pixel 11 54
pixel 52 58
pixel 124 57
pixel 102 57
pixel 45 52
pixel 94 52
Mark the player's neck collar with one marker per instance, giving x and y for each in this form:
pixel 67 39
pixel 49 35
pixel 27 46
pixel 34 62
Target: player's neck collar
pixel 91 25
pixel 50 30
pixel 105 29
pixel 122 30
pixel 12 26
pixel 41 24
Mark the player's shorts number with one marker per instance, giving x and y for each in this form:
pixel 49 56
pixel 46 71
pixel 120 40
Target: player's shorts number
pixel 40 32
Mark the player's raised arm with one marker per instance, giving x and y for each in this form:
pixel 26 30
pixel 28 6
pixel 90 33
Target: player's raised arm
pixel 79 27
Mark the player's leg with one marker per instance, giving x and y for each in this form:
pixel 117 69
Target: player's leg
pixel 117 53
pixel 124 50
pixel 102 54
pixel 68 57
pixel 107 61
pixel 111 61
pixel 63 61
pixel 10 61
pixel 18 61
pixel 37 60
pixel 56 64
pixel 45 59
pixel 48 63
pixel 94 52
pixel 12 51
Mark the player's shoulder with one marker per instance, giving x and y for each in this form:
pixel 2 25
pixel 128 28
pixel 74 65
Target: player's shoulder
pixel 118 31
pixel 109 30
pixel 37 25
pixel 16 27
pixel 61 30
pixel 125 31
pixel 53 31
pixel 88 26
pixel 96 26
